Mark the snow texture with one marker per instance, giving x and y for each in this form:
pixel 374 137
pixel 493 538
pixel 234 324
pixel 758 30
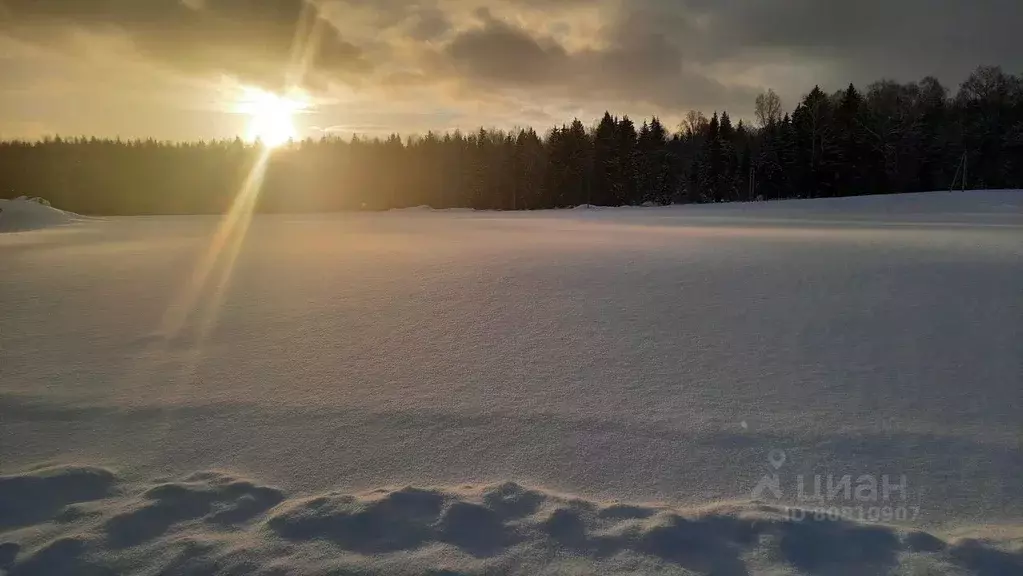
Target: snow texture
pixel 23 214
pixel 675 356
pixel 82 520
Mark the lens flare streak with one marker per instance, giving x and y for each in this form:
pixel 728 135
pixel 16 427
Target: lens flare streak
pixel 223 252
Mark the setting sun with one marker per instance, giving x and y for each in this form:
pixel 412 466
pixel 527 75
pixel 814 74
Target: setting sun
pixel 271 116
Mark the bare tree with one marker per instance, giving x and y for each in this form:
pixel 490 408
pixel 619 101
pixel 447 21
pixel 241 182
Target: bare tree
pixel 893 121
pixel 768 109
pixel 988 84
pixel 694 124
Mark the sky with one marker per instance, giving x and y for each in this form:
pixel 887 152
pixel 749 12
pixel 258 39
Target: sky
pixel 175 69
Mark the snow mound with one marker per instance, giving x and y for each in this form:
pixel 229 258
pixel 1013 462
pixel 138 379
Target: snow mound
pixel 428 208
pixel 85 520
pixel 24 214
pixel 958 204
pixel 36 199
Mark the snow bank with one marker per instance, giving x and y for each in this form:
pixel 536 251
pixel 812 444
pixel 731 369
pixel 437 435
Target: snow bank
pixel 85 520
pixel 420 208
pixel 23 214
pixel 940 206
pixel 428 208
pixel 957 204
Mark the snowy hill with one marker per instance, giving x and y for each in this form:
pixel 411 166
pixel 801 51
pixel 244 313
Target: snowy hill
pixel 23 214
pixel 799 387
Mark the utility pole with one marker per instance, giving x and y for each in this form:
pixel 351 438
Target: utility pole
pixel 962 167
pixel 965 167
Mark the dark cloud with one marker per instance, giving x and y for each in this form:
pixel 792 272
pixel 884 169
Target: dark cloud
pixel 499 51
pixel 642 68
pixel 857 41
pixel 262 41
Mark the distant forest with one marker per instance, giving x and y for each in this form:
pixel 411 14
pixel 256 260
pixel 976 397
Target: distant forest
pixel 887 138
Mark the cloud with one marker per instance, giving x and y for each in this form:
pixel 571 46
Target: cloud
pixel 568 57
pixel 621 66
pixel 500 51
pixel 430 23
pixel 268 42
pixel 855 41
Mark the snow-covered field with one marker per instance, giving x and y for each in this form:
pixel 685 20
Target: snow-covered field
pixel 554 392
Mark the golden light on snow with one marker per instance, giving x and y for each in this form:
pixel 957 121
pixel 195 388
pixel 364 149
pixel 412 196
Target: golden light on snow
pixel 212 274
pixel 271 116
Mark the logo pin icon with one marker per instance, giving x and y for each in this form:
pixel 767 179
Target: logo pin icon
pixel 776 458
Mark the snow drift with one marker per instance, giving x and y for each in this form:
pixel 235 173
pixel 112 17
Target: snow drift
pixel 24 214
pixel 970 206
pixel 87 520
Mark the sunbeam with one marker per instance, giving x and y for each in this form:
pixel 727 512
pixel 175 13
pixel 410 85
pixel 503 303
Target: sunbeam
pixel 223 250
pixel 272 124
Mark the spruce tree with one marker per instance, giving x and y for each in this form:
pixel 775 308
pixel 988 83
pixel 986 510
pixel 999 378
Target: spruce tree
pixel 603 166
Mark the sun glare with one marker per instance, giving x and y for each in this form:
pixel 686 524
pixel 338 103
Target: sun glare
pixel 271 116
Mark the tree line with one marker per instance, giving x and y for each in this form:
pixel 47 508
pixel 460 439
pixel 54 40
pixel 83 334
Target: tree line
pixel 890 137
